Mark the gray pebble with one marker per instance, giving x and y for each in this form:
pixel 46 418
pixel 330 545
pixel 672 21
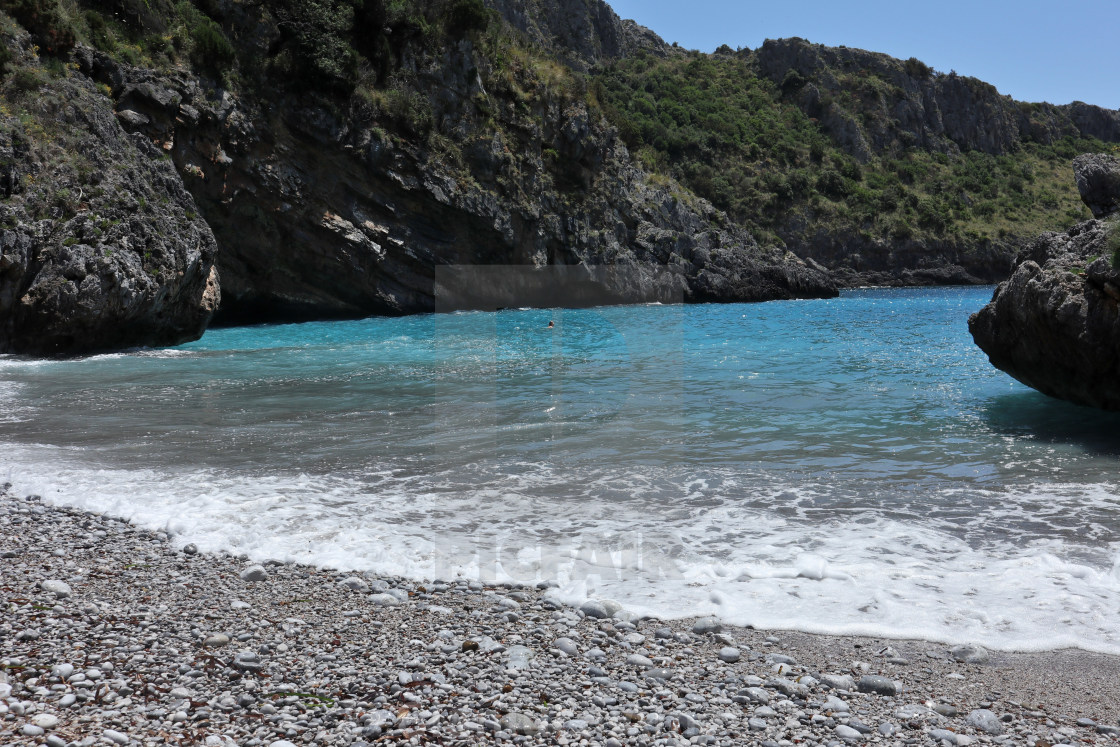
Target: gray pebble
pixel 519 723
pixel 519 657
pixel 612 607
pixel 756 695
pixel 384 600
pixel 839 681
pixel 984 720
pixel 729 654
pixel 254 573
pixel 60 589
pixel 970 654
pixel 354 583
pixel 788 687
pixel 594 609
pixel 707 625
pixel 847 733
pixel 637 660
pixel 873 683
pixel 567 645
pixel 191 549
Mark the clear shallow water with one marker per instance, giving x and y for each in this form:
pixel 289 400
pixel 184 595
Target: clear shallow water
pixel 850 465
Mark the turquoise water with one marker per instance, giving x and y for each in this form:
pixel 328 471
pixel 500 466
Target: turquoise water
pixel 844 465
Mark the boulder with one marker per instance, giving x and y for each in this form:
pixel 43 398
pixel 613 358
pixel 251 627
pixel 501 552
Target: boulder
pixel 1098 180
pixel 101 246
pixel 1055 324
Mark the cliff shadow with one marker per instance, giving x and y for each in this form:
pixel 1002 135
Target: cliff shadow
pixel 1030 413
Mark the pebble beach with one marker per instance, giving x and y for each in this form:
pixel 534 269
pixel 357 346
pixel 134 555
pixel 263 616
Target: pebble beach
pixel 113 634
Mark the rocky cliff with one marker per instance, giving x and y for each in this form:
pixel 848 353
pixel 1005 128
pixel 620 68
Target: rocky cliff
pixel 324 212
pixel 326 191
pixel 1055 324
pixel 101 247
pixel 583 33
pixel 883 170
pixel 871 103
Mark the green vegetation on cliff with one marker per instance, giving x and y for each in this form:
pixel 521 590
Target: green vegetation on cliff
pixel 744 143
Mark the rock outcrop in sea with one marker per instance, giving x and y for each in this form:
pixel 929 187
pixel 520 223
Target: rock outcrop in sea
pixel 101 247
pixel 1055 324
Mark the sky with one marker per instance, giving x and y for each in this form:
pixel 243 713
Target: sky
pixel 1034 51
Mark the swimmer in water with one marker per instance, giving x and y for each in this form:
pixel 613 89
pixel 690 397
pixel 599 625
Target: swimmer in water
pixel 551 325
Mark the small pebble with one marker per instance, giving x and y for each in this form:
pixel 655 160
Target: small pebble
pixel 729 654
pixel 254 573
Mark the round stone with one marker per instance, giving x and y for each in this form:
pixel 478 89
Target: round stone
pixel 254 573
pixel 354 583
pixel 873 683
pixel 567 645
pixel 45 720
pixel 594 609
pixel 730 654
pixel 707 625
pixel 970 654
pixel 984 720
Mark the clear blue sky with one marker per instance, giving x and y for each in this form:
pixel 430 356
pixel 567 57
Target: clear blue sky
pixel 1033 50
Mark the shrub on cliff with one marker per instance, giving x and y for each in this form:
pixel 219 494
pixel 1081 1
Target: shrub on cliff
pixel 749 145
pixel 464 16
pixel 50 26
pixel 210 49
pixel 915 68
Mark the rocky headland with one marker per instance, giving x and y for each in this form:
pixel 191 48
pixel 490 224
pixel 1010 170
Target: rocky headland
pixel 101 246
pixel 112 634
pixel 1055 325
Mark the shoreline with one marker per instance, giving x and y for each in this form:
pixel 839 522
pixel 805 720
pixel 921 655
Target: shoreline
pixel 172 647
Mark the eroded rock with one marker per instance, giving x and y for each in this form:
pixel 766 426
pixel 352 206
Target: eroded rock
pixel 1055 325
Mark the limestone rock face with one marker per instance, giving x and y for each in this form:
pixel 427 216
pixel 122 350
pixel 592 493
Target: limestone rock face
pixel 582 32
pixel 101 247
pixel 1098 180
pixel 1055 324
pixel 319 215
pixel 937 111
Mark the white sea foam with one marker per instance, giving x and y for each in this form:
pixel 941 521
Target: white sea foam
pixel 860 573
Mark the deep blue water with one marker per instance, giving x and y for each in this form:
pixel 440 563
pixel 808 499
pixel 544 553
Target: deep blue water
pixel 852 464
